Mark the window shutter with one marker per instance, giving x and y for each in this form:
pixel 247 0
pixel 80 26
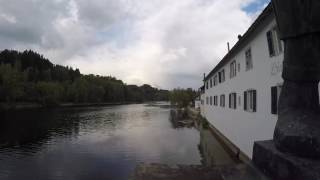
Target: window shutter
pixel 229 100
pixel 274 100
pixel 254 100
pixel 235 101
pixel 270 43
pixel 245 100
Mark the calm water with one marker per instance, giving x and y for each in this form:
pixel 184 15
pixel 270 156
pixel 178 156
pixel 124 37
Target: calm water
pixel 97 143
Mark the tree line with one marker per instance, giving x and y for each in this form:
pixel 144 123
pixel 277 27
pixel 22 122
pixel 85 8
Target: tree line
pixel 29 77
pixel 182 97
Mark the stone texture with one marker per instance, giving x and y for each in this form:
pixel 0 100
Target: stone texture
pixel 195 172
pixel 298 126
pixel 281 166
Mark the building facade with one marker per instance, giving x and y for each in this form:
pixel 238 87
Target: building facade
pixel 241 93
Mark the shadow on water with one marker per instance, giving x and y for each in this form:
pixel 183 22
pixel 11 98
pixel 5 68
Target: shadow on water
pixel 179 119
pixel 212 152
pixel 27 130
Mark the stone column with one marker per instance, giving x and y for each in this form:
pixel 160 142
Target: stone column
pixel 298 128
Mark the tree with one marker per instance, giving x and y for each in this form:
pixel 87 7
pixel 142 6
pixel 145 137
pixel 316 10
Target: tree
pixel 29 77
pixel 49 93
pixel 11 82
pixel 182 97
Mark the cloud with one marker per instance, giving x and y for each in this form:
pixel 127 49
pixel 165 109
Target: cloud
pixel 161 42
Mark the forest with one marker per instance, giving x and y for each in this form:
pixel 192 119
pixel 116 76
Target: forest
pixel 31 78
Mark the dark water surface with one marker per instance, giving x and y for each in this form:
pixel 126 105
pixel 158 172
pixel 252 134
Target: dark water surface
pixel 93 143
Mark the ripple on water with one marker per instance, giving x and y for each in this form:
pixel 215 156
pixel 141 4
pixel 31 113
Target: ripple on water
pixel 92 143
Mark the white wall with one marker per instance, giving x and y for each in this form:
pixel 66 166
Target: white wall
pixel 202 106
pixel 241 127
pixel 197 104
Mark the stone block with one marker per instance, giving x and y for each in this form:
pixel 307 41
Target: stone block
pixel 282 166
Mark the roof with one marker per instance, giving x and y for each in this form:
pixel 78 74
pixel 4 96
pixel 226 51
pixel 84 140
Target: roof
pixel 267 12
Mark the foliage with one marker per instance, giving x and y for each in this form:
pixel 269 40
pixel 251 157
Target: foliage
pixel 205 124
pixel 11 83
pixel 182 97
pixel 49 93
pixel 29 77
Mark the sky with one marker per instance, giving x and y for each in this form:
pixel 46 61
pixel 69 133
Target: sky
pixel 164 43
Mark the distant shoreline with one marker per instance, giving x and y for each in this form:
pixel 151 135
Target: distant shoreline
pixel 25 105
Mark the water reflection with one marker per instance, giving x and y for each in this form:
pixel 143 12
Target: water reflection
pixel 100 143
pixel 212 151
pixel 28 130
pixel 179 119
pixel 91 143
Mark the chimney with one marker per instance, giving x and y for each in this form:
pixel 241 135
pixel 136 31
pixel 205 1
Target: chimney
pixel 239 36
pixel 228 46
pixel 204 76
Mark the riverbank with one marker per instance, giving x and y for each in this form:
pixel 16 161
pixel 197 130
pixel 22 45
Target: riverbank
pixel 27 105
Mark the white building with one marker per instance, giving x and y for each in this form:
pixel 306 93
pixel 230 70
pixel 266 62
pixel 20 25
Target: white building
pixel 241 93
pixel 197 102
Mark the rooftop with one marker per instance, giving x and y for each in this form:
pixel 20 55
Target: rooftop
pixel 267 12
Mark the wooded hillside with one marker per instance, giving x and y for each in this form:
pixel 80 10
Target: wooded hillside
pixel 29 77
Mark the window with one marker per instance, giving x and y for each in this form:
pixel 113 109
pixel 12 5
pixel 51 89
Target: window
pixel 275 94
pixel 249 64
pixel 215 100
pixel 222 100
pixel 238 67
pixel 210 82
pixel 233 69
pixel 207 100
pixel 221 76
pixel 215 80
pixel 207 85
pixel 202 102
pixel 210 100
pixel 250 100
pixel 233 100
pixel 274 43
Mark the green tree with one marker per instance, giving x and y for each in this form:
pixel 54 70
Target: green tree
pixel 49 93
pixel 11 83
pixel 182 97
pixel 29 77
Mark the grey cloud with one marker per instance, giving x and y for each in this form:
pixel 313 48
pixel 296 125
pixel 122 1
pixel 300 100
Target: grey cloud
pixel 19 33
pixel 184 80
pixel 161 42
pixel 33 19
pixel 100 13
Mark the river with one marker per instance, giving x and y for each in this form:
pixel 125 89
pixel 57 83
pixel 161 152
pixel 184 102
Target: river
pixel 98 142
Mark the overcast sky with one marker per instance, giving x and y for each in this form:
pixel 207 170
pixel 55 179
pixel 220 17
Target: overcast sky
pixel 165 43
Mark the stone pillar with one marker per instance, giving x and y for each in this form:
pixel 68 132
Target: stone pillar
pixel 294 152
pixel 298 128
